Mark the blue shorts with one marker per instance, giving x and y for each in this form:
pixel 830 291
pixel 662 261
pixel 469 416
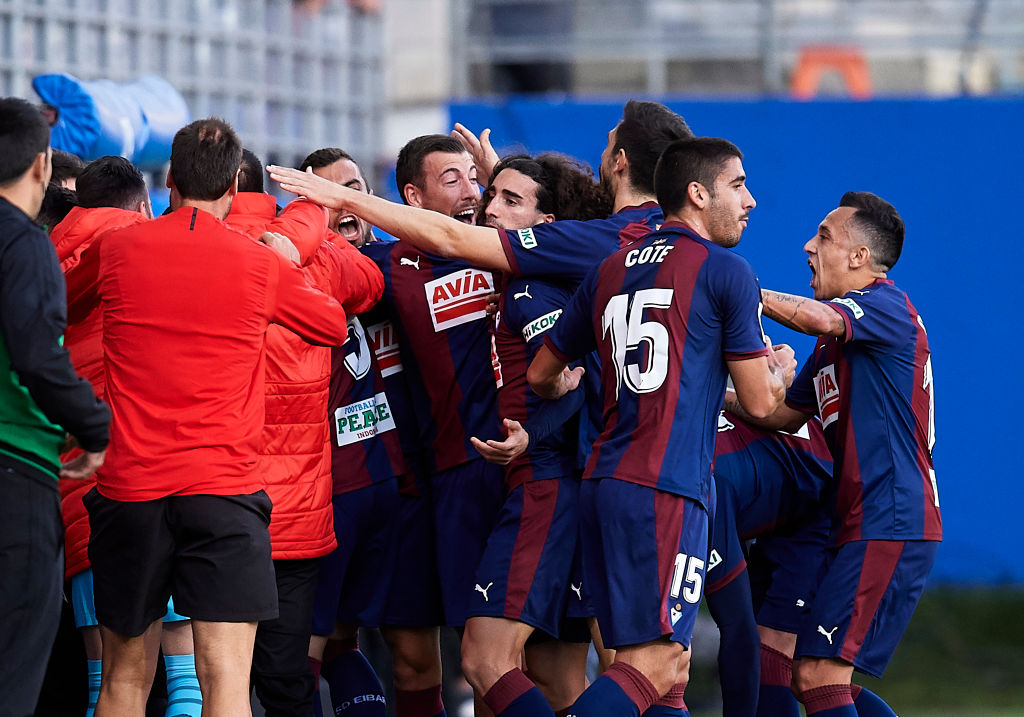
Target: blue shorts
pixel 784 571
pixel 355 578
pixel 726 557
pixel 864 602
pixel 467 499
pixel 581 606
pixel 83 601
pixel 525 570
pixel 644 554
pixel 414 598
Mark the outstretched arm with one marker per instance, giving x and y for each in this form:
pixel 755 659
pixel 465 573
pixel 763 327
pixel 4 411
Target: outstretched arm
pixel 424 229
pixel 808 316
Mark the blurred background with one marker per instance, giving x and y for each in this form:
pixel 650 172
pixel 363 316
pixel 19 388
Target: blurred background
pixel 920 101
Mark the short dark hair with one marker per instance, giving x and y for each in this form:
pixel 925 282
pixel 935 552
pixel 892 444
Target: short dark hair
pixel 880 225
pixel 24 133
pixel 409 168
pixel 698 159
pixel 325 157
pixel 566 186
pixel 111 182
pixel 57 203
pixel 205 157
pixel 646 129
pixel 65 166
pixel 250 172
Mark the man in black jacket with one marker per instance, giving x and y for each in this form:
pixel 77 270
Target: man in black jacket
pixel 41 399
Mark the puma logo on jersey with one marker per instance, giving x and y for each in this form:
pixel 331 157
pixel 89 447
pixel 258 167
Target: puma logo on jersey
pixel 458 298
pixel 800 602
pixel 525 292
pixel 384 340
pixel 724 424
pixel 826 388
pixel 404 261
pixel 578 589
pixel 827 633
pixel 483 591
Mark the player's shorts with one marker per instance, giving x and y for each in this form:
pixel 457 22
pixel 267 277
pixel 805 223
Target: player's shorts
pixel 414 598
pixel 865 600
pixel 356 576
pixel 726 558
pixel 644 553
pixel 784 571
pixel 211 551
pixel 467 499
pixel 83 602
pixel 524 572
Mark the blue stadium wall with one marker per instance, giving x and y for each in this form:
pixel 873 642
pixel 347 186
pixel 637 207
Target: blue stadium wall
pixel 953 168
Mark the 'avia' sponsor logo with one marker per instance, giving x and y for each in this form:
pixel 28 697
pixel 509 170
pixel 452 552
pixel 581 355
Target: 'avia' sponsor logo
pixel 363 419
pixel 384 340
pixel 826 388
pixel 458 298
pixel 541 324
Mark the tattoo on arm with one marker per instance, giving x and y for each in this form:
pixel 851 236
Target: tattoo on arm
pixel 732 404
pixel 782 307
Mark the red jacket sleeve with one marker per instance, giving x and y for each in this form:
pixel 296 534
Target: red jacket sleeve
pixel 360 284
pixel 83 281
pixel 305 223
pixel 313 315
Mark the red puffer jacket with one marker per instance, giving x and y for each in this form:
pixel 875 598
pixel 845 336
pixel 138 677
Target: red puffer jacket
pixel 84 342
pixel 295 458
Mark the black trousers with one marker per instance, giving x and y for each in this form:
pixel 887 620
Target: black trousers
pixel 281 674
pixel 31 578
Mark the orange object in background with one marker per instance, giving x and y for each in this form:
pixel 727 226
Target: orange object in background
pixel 816 60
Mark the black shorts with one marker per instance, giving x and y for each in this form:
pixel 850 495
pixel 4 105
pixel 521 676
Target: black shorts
pixel 211 551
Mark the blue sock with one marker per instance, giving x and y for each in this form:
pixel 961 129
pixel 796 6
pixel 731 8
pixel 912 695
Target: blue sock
pixel 829 701
pixel 515 695
pixel 739 650
pixel 869 704
pixel 355 687
pixel 777 701
pixel 620 692
pixel 94 669
pixel 183 696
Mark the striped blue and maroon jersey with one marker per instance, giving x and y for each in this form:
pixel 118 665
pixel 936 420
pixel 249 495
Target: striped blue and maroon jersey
pixel 365 446
pixel 665 314
pixel 779 478
pixel 872 388
pixel 565 251
pixel 528 309
pixel 438 307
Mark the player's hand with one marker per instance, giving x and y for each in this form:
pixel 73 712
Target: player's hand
pixel 504 452
pixel 492 304
pixel 312 187
pixel 569 380
pixel 785 360
pixel 484 156
pixel 281 244
pixel 82 466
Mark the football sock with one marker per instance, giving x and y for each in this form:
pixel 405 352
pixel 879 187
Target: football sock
pixel 739 660
pixel 671 705
pixel 183 696
pixel 355 687
pixel 515 695
pixel 419 703
pixel 94 671
pixel 621 690
pixel 829 701
pixel 775 697
pixel 869 704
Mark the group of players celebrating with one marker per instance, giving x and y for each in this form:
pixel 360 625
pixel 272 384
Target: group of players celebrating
pixel 551 415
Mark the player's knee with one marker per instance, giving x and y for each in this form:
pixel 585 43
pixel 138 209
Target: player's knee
pixel 413 665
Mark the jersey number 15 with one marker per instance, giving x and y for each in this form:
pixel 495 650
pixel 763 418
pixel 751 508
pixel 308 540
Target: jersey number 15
pixel 623 322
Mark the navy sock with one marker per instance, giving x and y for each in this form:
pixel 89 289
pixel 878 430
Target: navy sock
pixel 869 704
pixel 419 703
pixel 356 690
pixel 671 705
pixel 515 695
pixel 183 696
pixel 739 650
pixel 775 697
pixel 94 669
pixel 621 690
pixel 829 701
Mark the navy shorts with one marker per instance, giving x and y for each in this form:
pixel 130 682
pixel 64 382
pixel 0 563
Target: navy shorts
pixel 525 570
pixel 784 571
pixel 726 557
pixel 355 578
pixel 467 499
pixel 414 598
pixel 644 554
pixel 864 602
